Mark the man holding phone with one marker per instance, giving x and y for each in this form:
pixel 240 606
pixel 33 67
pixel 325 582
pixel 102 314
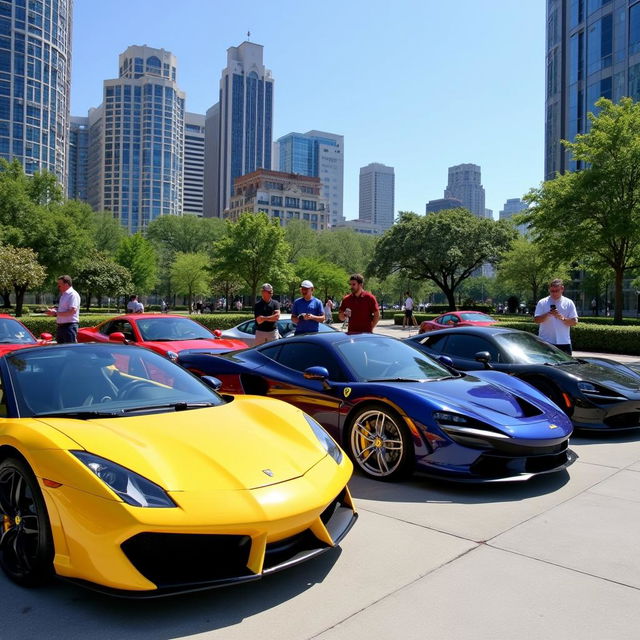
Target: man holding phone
pixel 556 315
pixel 307 311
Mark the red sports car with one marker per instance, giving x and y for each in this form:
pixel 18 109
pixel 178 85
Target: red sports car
pixel 164 334
pixel 14 335
pixel 458 319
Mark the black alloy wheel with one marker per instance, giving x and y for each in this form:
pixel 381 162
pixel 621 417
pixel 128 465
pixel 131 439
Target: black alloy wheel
pixel 26 543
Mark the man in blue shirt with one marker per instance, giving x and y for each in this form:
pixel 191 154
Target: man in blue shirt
pixel 307 312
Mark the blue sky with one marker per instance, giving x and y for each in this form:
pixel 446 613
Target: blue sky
pixel 419 85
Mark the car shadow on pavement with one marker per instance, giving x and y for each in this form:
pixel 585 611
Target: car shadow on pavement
pixel 82 613
pixel 424 489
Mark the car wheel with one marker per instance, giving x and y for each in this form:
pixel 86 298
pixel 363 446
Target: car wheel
pixel 380 444
pixel 26 543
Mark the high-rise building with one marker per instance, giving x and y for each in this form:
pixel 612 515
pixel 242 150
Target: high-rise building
pixel 465 184
pixel 593 51
pixel 320 154
pixel 78 158
pixel 442 204
pixel 511 207
pixel 377 194
pixel 239 127
pixel 282 196
pixel 193 200
pixel 35 70
pixel 136 142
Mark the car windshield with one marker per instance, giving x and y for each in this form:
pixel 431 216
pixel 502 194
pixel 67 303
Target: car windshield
pixel 166 329
pixel 101 380
pixel 380 358
pixel 477 317
pixel 526 348
pixel 12 332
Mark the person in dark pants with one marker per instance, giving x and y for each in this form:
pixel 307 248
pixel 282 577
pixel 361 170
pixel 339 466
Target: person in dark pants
pixel 555 315
pixel 67 314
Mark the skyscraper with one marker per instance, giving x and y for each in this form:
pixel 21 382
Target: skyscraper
pixel 35 69
pixel 465 184
pixel 593 51
pixel 320 154
pixel 442 204
pixel 194 126
pixel 377 194
pixel 511 207
pixel 137 140
pixel 239 127
pixel 78 158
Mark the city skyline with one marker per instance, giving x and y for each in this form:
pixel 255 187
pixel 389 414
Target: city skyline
pixel 357 88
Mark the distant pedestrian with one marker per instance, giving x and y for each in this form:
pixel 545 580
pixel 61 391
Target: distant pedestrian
pixel 307 311
pixel 408 312
pixel 328 310
pixel 594 307
pixel 267 314
pixel 67 314
pixel 359 307
pixel 134 305
pixel 164 307
pixel 556 315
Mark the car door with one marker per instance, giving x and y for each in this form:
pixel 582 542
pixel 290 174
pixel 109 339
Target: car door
pixel 290 385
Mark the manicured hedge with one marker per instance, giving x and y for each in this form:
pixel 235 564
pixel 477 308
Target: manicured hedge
pixel 45 324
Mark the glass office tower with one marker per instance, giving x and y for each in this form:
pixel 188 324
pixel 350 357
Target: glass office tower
pixel 137 140
pixel 35 68
pixel 593 51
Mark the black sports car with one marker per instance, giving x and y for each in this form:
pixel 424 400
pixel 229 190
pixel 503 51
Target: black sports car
pixel 596 393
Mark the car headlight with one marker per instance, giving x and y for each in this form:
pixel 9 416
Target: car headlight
pixel 327 442
pixel 131 487
pixel 444 417
pixel 596 390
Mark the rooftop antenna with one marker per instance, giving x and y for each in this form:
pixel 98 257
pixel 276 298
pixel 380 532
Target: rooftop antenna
pixel 248 36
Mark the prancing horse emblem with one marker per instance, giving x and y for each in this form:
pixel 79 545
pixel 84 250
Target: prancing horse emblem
pixel 346 391
pixel 268 472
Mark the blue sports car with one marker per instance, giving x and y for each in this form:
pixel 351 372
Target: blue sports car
pixel 395 409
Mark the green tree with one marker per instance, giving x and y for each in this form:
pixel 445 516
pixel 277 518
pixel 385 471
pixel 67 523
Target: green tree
pixel 302 240
pixel 190 274
pixel 255 249
pixel 99 275
pixel 596 211
pixel 445 247
pixel 138 255
pixel 185 234
pixel 20 271
pixel 346 249
pixel 107 232
pixel 524 269
pixel 328 278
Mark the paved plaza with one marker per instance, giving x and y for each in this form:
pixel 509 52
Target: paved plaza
pixel 553 558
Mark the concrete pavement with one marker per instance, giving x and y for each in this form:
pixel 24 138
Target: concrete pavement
pixel 554 558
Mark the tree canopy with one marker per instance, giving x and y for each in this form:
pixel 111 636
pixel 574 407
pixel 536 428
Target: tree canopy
pixel 190 275
pixel 138 255
pixel 444 247
pixel 20 271
pixel 596 211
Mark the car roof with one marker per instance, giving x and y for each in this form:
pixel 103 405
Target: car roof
pixel 478 331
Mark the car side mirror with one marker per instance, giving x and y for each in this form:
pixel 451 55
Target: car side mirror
pixel 211 382
pixel 446 360
pixel 316 373
pixel 47 337
pixel 117 336
pixel 484 357
pixel 217 333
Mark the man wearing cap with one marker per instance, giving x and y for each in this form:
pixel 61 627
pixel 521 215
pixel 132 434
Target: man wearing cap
pixel 307 311
pixel 267 314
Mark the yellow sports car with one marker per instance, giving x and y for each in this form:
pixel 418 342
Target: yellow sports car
pixel 122 471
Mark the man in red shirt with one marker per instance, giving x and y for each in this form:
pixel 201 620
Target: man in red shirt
pixel 360 306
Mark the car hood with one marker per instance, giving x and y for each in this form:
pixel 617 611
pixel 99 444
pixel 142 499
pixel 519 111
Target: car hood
pixel 196 345
pixel 247 443
pixel 515 414
pixel 606 374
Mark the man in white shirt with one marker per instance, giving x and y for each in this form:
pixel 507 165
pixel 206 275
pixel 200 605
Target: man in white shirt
pixel 134 305
pixel 556 315
pixel 408 312
pixel 68 312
